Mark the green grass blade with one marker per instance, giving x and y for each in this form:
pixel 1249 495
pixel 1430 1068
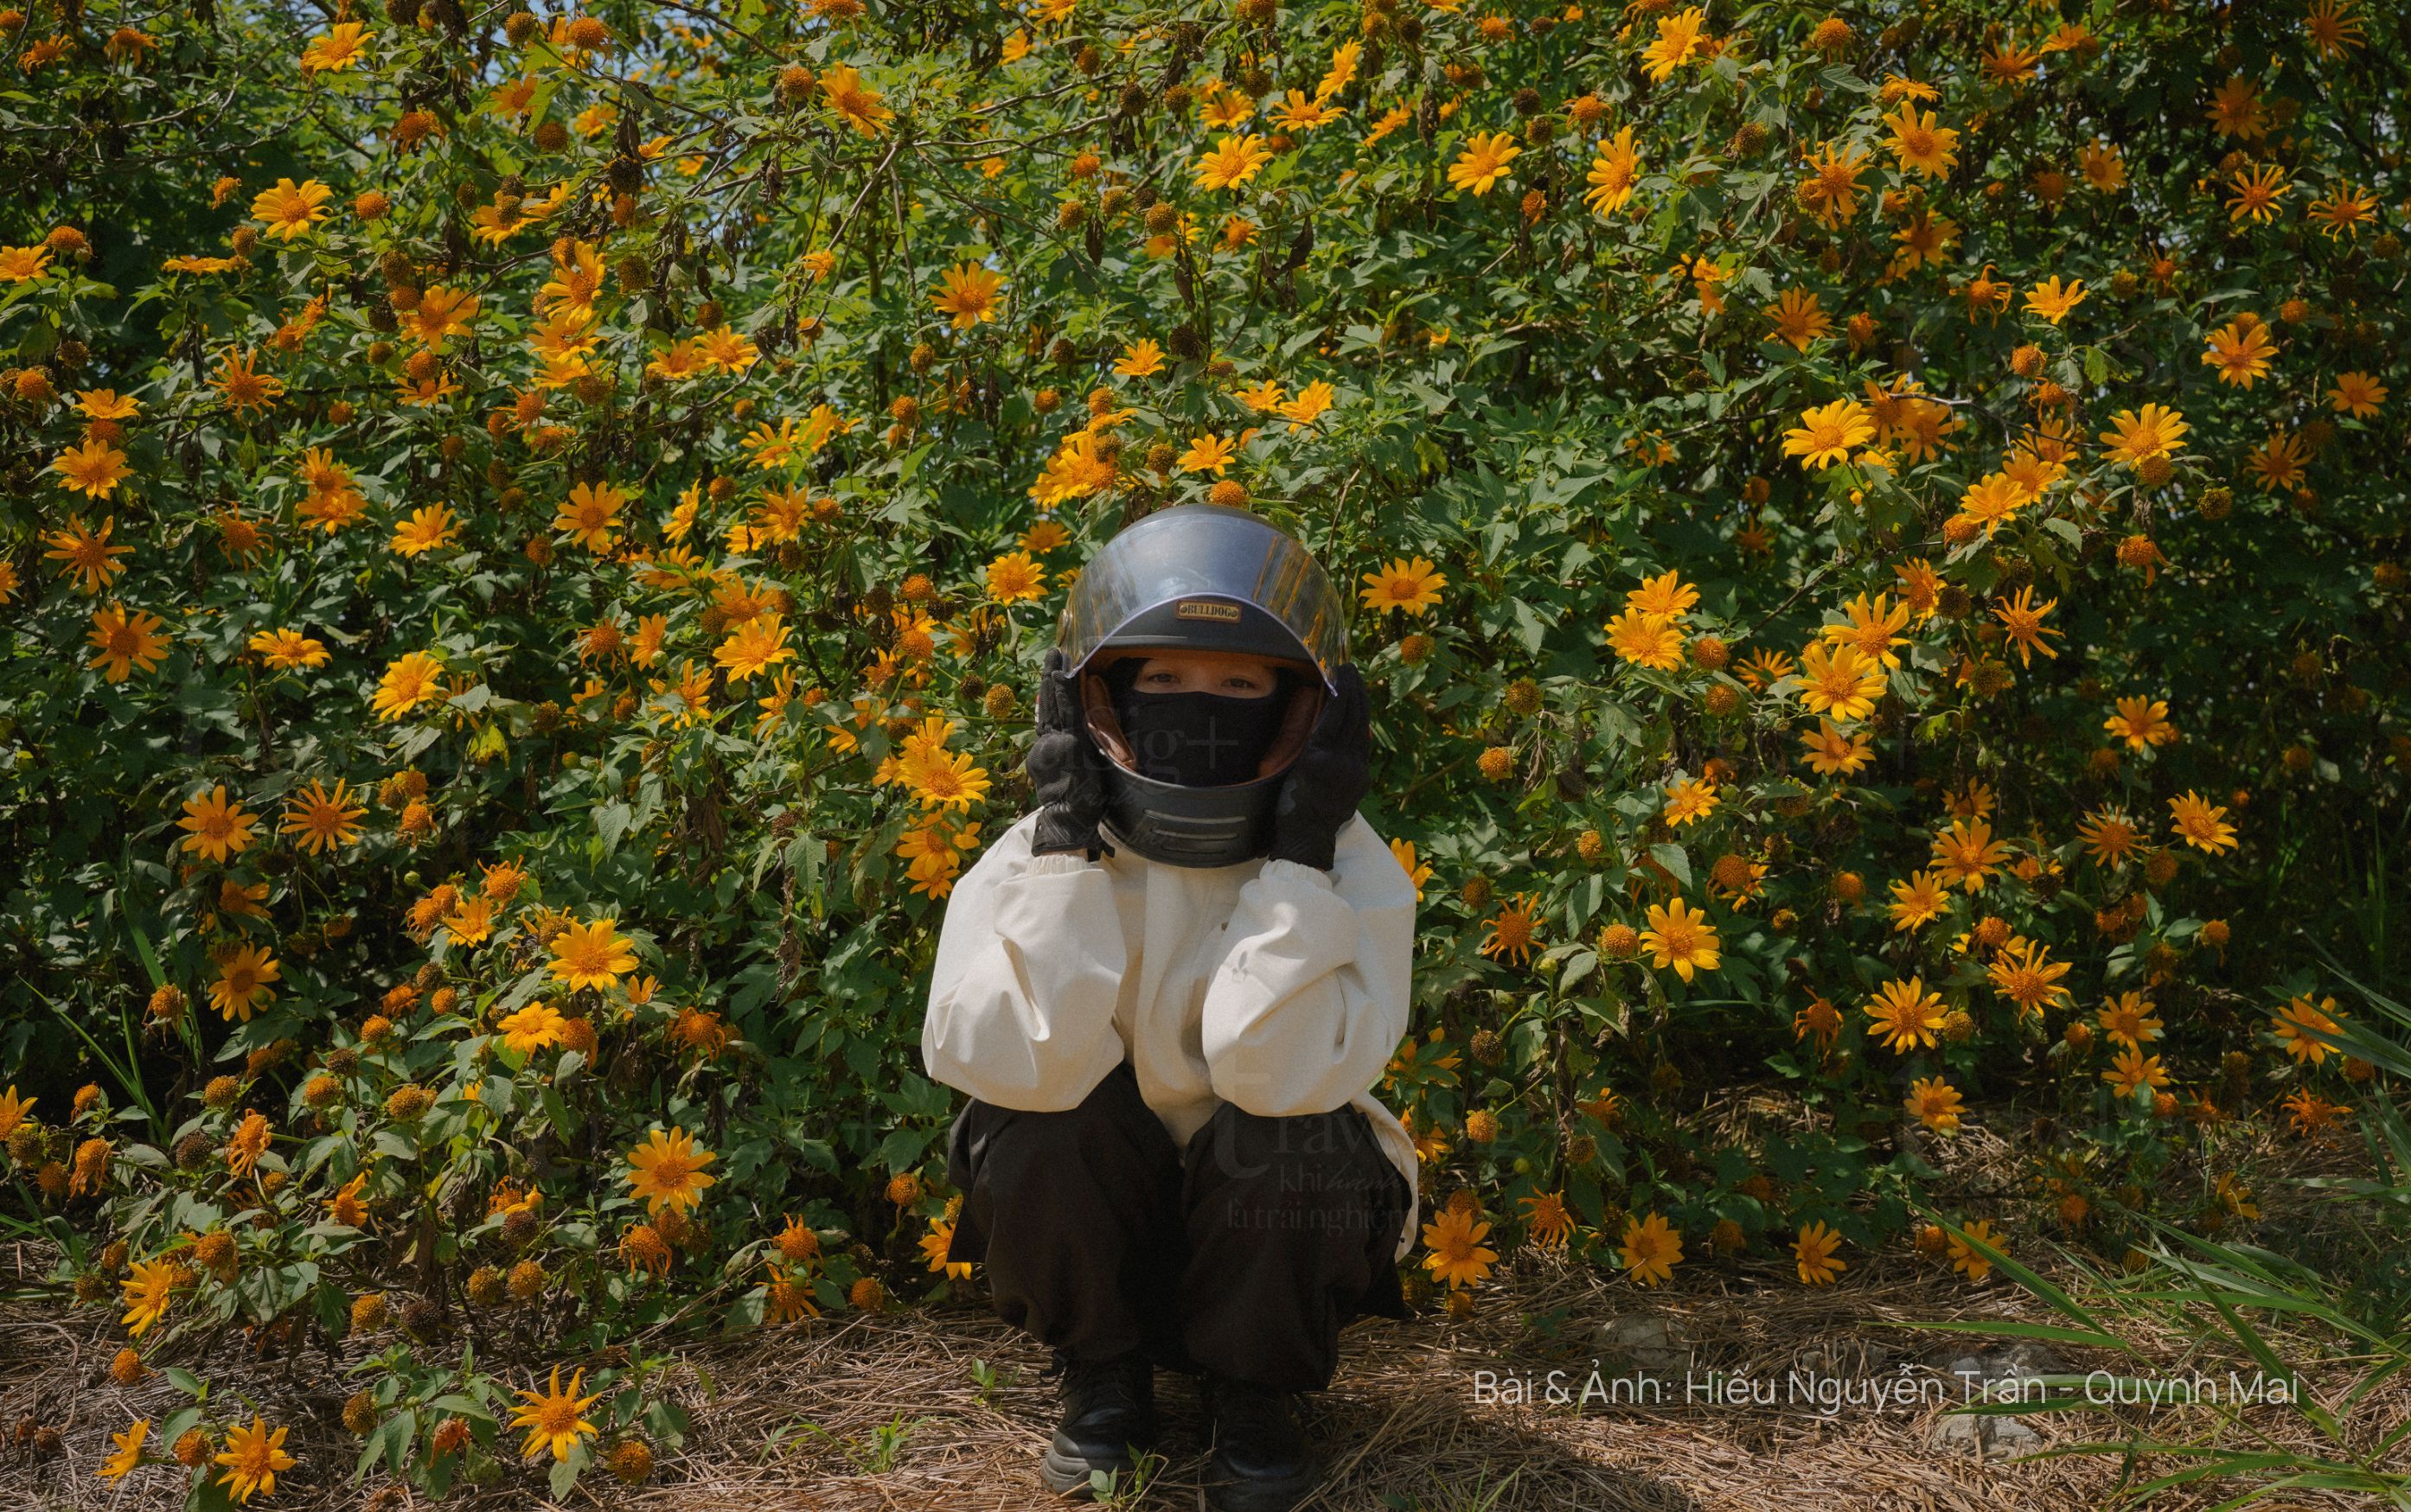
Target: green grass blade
pixel 2006 1329
pixel 2024 1277
pixel 122 1074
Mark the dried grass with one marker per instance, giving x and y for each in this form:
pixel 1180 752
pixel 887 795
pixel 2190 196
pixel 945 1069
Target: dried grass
pixel 1401 1420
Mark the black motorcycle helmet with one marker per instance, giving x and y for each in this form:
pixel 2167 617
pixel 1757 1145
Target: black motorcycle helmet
pixel 1201 577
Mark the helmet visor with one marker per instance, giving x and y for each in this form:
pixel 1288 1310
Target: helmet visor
pixel 1202 577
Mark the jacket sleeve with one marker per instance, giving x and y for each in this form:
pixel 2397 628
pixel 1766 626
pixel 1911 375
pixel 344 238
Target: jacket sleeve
pixel 1312 1000
pixel 1028 968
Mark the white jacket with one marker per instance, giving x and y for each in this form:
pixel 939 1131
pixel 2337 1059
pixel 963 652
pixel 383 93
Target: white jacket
pixel 1270 985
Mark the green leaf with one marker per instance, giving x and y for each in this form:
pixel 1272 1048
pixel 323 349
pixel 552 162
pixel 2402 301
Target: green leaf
pixel 1674 859
pixel 611 821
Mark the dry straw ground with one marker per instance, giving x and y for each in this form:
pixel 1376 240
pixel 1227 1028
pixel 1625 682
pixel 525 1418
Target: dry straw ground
pixel 1402 1420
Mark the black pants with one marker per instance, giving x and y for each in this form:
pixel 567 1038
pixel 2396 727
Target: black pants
pixel 1243 1254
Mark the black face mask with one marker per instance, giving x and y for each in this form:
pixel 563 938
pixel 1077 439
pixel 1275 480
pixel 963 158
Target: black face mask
pixel 1195 740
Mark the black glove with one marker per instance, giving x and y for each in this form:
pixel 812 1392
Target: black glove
pixel 1066 769
pixel 1328 779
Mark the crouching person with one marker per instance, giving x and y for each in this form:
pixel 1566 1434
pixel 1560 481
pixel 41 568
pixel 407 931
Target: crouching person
pixel 1169 990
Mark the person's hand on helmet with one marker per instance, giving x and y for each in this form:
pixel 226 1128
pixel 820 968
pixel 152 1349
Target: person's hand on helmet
pixel 1328 779
pixel 1066 769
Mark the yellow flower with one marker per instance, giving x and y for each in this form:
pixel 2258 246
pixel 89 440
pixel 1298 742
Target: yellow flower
pixel 2240 351
pixel 1410 585
pixel 2021 619
pixel 1232 162
pixel 13 1110
pixel 2333 28
pixel 1814 1251
pixel 149 1291
pixel 1547 1218
pixel 1208 453
pixel 2024 973
pixel 253 1458
pixel 945 780
pixel 1483 162
pixel 1828 751
pixel 1511 934
pixel 1417 872
pixel 666 1170
pixel 724 349
pixel 2298 1022
pixel 472 922
pixel 1689 801
pixel 1798 319
pixel 128 1457
pixel 553 1418
pixel 1077 469
pixel 107 404
pixel 2137 436
pixel 1343 71
pixel 1142 358
pixel 291 210
pixel 319 819
pixel 1935 1103
pixel 86 555
pixel 1645 640
pixel 1614 173
pixel 1300 113
pixel 1678 43
pixel 2356 394
pixel 406 684
pixel 590 515
pixel 968 295
pixel 757 646
pixel 1666 596
pixel 92 468
pixel 242 988
pixel 336 49
pixel 24 265
pixel 1651 1249
pixel 216 827
pixel 289 651
pixel 1843 683
pixel 248 1142
pixel 1905 1015
pixel 2258 189
pixel 1832 189
pixel 1309 404
pixel 1015 577
pixel 2104 167
pixel 125 644
pixel 2201 823
pixel 1458 1258
pixel 1828 433
pixel 2051 300
pixel 1964 1257
pixel 1921 146
pixel 854 102
pixel 592 954
pixel 1681 936
pixel 1967 854
pixel 531 1028
pixel 2142 722
pixel 429 528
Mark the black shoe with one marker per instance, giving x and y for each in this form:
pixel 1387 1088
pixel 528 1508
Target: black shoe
pixel 1108 1418
pixel 1260 1463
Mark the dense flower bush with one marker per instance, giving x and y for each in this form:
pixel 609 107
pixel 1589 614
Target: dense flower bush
pixel 1877 532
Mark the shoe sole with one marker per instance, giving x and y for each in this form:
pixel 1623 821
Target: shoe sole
pixel 1067 1476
